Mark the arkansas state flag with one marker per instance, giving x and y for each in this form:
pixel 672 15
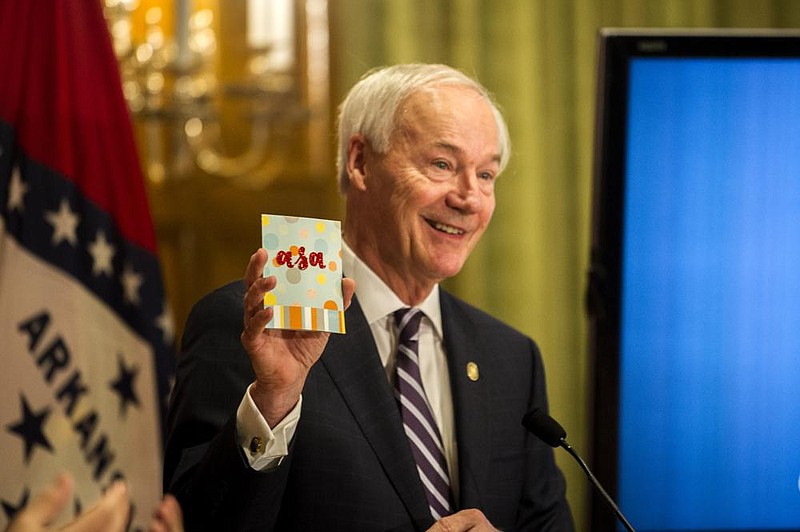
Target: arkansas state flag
pixel 85 335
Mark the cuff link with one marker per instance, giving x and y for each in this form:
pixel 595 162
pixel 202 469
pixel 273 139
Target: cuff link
pixel 256 445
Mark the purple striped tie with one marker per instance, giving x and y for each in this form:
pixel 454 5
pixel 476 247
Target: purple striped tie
pixel 418 422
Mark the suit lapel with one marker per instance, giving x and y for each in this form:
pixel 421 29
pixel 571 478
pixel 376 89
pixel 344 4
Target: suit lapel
pixel 470 401
pixel 353 363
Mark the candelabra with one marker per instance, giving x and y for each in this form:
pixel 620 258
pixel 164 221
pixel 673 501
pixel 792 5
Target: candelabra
pixel 183 97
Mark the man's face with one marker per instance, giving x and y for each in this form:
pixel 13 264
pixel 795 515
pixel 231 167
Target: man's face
pixel 431 196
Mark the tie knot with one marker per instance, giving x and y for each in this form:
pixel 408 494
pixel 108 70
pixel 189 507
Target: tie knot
pixel 407 320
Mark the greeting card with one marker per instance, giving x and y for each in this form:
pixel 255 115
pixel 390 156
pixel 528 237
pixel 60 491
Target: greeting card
pixel 305 255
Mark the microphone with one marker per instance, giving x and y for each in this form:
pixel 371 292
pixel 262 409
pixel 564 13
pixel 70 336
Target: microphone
pixel 553 434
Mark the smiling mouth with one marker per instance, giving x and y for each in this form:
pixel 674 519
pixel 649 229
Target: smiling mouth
pixel 449 229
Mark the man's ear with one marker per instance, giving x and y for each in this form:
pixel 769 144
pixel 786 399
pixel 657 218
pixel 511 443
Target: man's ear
pixel 357 161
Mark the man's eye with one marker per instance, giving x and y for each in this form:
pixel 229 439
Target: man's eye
pixel 441 165
pixel 487 176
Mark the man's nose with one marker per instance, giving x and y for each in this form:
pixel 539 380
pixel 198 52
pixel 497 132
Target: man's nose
pixel 466 195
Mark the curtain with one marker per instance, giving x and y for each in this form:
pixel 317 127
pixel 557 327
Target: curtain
pixel 538 57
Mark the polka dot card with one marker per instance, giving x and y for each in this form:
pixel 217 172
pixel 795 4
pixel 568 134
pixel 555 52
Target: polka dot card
pixel 305 255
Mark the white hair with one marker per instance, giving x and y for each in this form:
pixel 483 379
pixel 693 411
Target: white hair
pixel 370 108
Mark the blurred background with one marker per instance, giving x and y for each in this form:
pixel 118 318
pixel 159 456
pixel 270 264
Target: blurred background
pixel 234 104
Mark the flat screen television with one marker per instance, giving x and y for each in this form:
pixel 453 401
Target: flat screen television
pixel 694 283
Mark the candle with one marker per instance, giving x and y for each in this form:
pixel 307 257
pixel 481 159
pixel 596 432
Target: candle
pixel 182 13
pixel 259 23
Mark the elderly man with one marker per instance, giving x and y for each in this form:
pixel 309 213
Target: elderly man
pixel 412 419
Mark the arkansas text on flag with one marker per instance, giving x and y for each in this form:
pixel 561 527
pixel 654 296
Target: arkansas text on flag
pixel 85 335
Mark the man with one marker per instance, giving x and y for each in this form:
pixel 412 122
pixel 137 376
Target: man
pixel 287 430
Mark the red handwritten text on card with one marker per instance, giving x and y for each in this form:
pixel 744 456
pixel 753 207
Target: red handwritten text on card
pixel 290 260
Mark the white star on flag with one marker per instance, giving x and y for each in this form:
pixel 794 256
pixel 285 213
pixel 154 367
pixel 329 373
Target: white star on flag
pixel 65 224
pixel 102 252
pixel 131 282
pixel 16 192
pixel 166 324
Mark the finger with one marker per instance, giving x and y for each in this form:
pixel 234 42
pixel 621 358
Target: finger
pixel 110 513
pixel 45 507
pixel 254 326
pixel 168 516
pixel 469 519
pixel 254 297
pixel 348 289
pixel 255 268
pixel 170 513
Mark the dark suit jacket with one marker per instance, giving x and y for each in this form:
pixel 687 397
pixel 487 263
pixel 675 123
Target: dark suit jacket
pixel 350 467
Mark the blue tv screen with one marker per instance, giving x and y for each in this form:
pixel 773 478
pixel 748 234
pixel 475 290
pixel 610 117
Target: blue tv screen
pixel 696 280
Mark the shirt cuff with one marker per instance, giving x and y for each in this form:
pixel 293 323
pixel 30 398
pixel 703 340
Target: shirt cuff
pixel 264 447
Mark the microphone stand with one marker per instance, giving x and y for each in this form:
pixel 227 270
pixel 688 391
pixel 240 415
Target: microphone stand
pixel 563 443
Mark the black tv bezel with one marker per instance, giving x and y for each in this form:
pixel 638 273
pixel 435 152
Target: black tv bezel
pixel 616 47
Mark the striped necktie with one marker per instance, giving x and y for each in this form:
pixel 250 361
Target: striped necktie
pixel 418 421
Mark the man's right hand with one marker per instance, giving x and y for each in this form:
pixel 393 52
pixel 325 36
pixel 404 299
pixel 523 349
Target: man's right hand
pixel 281 359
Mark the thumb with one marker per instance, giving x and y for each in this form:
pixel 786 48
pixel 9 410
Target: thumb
pixel 109 514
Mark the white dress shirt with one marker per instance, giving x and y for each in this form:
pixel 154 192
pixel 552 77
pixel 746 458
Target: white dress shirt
pixel 378 303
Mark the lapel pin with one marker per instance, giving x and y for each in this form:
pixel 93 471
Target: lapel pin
pixel 472 371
